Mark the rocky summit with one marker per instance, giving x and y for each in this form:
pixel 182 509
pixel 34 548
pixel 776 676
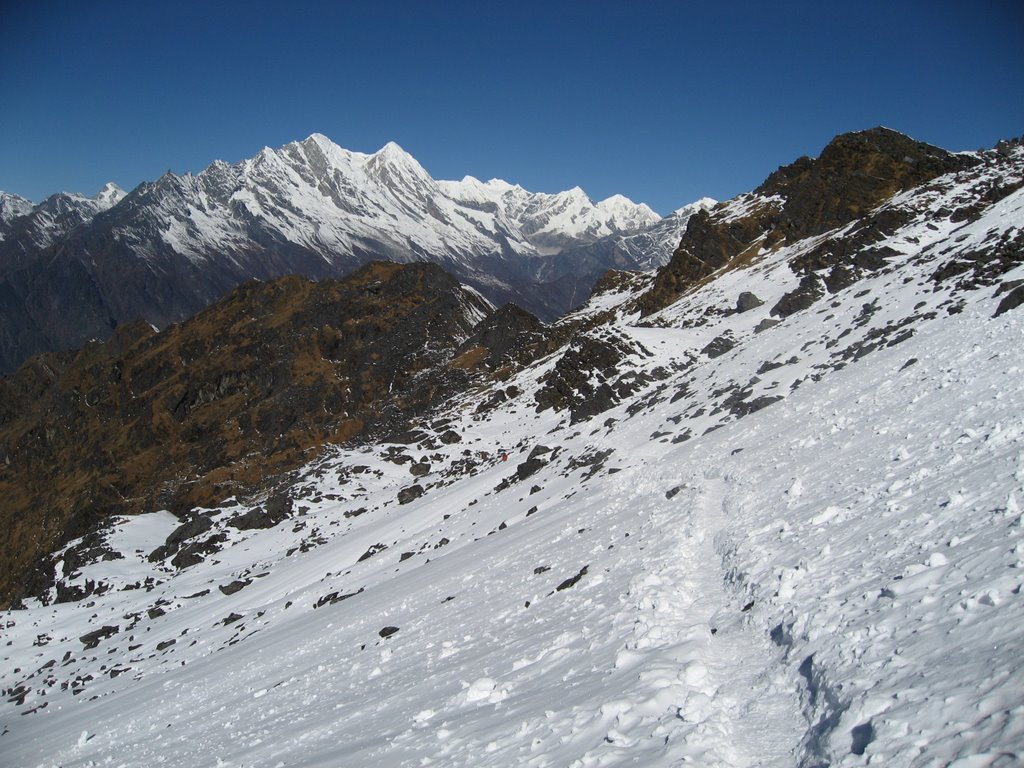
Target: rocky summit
pixel 762 506
pixel 855 173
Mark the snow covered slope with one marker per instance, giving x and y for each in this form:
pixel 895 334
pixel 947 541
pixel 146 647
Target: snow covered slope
pixel 734 532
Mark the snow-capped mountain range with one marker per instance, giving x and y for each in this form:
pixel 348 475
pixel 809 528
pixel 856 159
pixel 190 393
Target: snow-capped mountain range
pixel 334 202
pixel 173 245
pixel 762 508
pixel 39 226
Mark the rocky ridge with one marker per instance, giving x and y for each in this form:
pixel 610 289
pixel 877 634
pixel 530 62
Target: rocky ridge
pixel 252 386
pixel 854 174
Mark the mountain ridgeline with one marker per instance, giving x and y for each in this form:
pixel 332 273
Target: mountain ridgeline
pixel 761 505
pixel 218 405
pixel 74 268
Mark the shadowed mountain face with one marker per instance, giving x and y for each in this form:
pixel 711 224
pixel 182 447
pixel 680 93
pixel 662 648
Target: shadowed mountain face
pixel 250 387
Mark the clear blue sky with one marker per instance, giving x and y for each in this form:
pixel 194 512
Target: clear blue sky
pixel 664 102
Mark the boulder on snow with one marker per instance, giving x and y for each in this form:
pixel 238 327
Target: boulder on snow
pixel 277 508
pixel 411 493
pixel 419 469
pixel 92 639
pixel 1012 300
pixel 719 345
pixel 747 301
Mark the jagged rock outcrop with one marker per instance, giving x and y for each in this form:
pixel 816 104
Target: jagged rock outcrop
pixel 855 173
pixel 509 335
pixel 590 376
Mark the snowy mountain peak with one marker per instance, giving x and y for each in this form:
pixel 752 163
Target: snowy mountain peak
pixel 392 154
pixel 109 196
pixel 704 204
pixel 319 140
pixel 13 206
pixel 627 215
pixel 392 150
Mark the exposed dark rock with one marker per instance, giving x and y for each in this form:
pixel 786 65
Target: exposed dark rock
pixel 195 552
pixel 194 526
pixel 854 174
pixel 746 407
pixel 508 335
pixel 594 461
pixel 496 399
pixel 804 296
pixel 719 345
pixel 408 437
pixel 248 388
pixel 573 580
pixel 235 586
pixel 765 324
pixel 411 493
pixel 93 548
pixel 419 469
pixel 747 301
pixel 707 246
pixel 398 454
pixel 334 597
pixel 373 550
pixel 984 266
pixel 1012 300
pixel 388 631
pixel 92 639
pixel 533 462
pixel 571 384
pixel 277 509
